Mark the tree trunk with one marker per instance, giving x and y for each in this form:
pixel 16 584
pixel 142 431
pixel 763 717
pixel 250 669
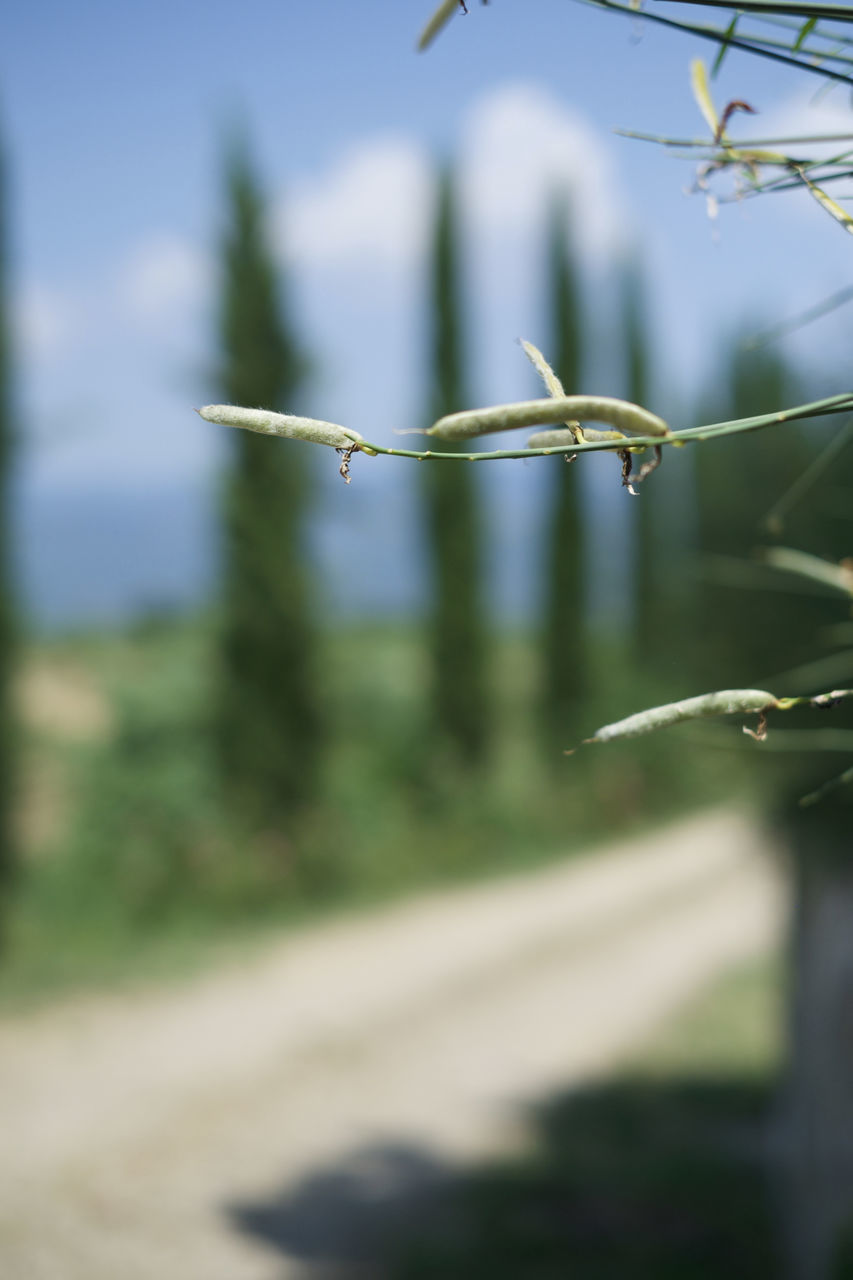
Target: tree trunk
pixel 815 1128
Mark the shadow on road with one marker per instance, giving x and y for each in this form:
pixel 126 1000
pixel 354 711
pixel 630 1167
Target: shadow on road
pixel 642 1178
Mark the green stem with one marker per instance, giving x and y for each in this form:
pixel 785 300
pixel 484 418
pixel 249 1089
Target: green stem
pixel 738 144
pixel 719 36
pixel 815 409
pixel 815 700
pixel 799 8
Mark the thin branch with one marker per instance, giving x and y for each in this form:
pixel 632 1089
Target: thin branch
pixel 313 430
pixel 834 783
pixel 773 520
pixel 837 576
pixel 805 139
pixel 798 8
pixel 720 36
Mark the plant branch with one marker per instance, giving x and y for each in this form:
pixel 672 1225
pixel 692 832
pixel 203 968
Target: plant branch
pixel 284 425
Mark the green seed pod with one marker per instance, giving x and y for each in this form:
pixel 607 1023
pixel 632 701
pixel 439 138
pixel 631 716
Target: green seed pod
pixel 724 702
pixel 531 413
pixel 557 438
pixel 281 424
pixel 560 437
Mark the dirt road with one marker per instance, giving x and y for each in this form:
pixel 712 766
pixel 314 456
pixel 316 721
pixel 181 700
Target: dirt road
pixel 237 1127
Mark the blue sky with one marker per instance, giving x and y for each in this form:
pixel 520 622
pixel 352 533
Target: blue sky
pixel 114 118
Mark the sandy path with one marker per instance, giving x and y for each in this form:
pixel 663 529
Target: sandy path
pixel 165 1134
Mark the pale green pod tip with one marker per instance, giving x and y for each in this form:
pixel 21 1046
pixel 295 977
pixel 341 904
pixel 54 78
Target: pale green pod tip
pixel 285 425
pixel 723 702
pixel 542 367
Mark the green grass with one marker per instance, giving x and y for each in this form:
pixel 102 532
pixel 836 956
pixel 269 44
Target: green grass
pixel 144 872
pixel 654 1174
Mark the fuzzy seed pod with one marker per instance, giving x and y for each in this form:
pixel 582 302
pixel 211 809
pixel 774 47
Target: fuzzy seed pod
pixel 530 413
pixel 724 702
pixel 281 424
pixel 552 383
pixel 557 438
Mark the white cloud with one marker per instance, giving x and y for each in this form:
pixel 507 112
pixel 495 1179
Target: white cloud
pixel 356 232
pixel 44 322
pixel 520 145
pixel 163 277
pixel 804 114
pixel 370 208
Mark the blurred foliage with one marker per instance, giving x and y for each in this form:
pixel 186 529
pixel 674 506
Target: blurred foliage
pixel 8 855
pixel 146 858
pixel 268 727
pixel 649 562
pixel 755 626
pixel 752 622
pixel 565 670
pixel 455 547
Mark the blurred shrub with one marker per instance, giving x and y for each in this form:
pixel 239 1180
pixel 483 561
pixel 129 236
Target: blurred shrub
pixel 148 849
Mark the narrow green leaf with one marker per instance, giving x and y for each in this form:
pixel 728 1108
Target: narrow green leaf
pixel 724 47
pixel 826 202
pixel 702 94
pixel 837 576
pixel 834 783
pixel 805 31
pixel 439 19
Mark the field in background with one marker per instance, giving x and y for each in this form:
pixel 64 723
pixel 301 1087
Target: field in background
pixel 134 867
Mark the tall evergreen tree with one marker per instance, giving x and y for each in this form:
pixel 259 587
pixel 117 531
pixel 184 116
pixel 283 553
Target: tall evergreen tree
pixel 459 628
pixel 648 607
pixel 564 667
pixel 745 634
pixel 269 722
pixel 7 624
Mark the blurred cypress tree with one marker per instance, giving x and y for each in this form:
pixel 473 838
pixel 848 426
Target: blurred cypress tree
pixel 649 619
pixel 564 668
pixel 455 543
pixel 270 730
pixel 748 628
pixel 753 624
pixel 8 861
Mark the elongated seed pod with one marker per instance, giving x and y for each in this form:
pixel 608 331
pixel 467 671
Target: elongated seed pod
pixel 532 413
pixel 722 703
pixel 561 436
pixel 442 15
pixel 280 424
